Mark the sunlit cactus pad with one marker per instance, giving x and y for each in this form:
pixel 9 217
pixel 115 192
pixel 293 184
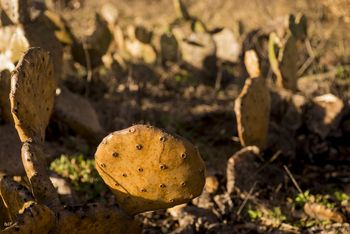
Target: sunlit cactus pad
pixel 32 94
pixel 149 169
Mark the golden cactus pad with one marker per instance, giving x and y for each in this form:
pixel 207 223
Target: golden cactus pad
pixel 252 109
pixel 149 169
pixel 32 94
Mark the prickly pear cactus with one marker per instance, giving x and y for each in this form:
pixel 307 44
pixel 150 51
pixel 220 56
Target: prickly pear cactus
pixel 38 32
pixel 169 47
pixel 32 94
pixel 149 169
pixel 252 108
pixel 143 34
pixel 33 160
pixel 15 196
pixel 283 60
pixel 16 10
pixel 36 218
pixel 96 218
pixel 298 26
pixel 288 64
pixel 251 62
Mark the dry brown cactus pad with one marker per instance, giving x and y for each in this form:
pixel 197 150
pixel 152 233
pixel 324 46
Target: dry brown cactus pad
pixel 32 94
pixel 149 169
pixel 36 218
pixel 96 218
pixel 252 109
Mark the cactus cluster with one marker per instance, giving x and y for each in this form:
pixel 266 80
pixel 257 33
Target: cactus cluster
pixel 252 108
pixel 283 52
pixel 146 168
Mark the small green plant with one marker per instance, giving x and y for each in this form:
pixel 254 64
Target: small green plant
pixel 340 196
pixel 277 214
pixel 81 173
pixel 342 73
pixel 302 198
pixel 254 214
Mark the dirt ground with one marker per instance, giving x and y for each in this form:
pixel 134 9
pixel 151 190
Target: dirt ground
pixel 205 116
pixel 298 169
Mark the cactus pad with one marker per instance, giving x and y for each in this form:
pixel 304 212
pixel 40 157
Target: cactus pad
pixel 149 169
pixel 252 109
pixel 16 10
pixel 15 196
pixel 251 62
pixel 35 218
pixel 169 47
pixel 33 160
pixel 283 58
pixel 288 63
pixel 96 218
pixel 298 26
pixel 32 94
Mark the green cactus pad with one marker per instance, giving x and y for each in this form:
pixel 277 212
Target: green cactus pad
pixel 35 218
pixel 149 169
pixel 252 108
pixel 273 49
pixel 10 149
pixel 32 94
pixel 16 10
pixel 15 196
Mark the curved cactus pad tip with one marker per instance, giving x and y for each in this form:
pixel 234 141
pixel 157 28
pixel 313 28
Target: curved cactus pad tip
pixel 32 94
pixel 252 109
pixel 251 62
pixel 149 169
